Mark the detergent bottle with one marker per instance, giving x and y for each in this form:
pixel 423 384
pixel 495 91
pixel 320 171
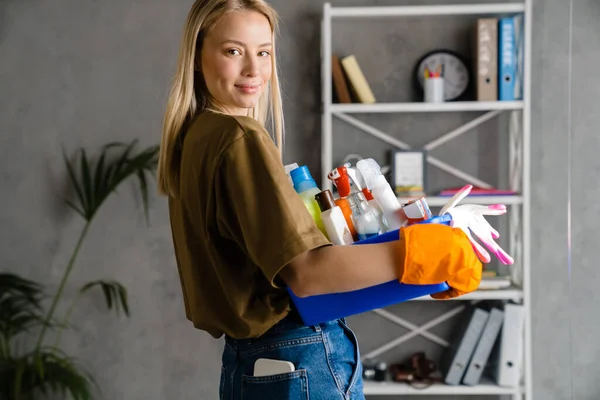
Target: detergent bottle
pixel 307 189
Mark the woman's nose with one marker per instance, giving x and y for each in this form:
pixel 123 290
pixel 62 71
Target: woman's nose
pixel 251 66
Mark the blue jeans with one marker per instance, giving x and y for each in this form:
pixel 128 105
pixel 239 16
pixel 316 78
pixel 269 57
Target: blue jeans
pixel 325 356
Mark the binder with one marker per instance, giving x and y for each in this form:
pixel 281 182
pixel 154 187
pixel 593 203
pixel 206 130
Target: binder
pixel 520 51
pixel 465 336
pixel 484 347
pixel 486 59
pixel 510 58
pixel 507 368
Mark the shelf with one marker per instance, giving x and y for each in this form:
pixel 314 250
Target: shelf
pixel 450 106
pixel 394 388
pixel 513 293
pixel 440 201
pixel 406 11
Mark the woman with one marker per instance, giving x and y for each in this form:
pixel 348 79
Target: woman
pixel 242 235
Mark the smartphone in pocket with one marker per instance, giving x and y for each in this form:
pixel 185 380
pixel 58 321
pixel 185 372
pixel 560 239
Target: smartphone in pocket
pixel 267 367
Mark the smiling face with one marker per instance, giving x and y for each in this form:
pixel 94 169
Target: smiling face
pixel 236 60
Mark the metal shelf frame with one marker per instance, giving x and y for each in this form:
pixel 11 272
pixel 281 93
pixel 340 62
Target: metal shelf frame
pixel 519 178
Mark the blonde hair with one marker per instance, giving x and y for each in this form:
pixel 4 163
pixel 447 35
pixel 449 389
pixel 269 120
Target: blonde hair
pixel 189 97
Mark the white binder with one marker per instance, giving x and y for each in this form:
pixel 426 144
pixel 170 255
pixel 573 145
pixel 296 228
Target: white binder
pixel 484 347
pixel 464 339
pixel 507 372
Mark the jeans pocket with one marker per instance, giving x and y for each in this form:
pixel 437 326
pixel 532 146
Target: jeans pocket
pixel 289 385
pixel 350 356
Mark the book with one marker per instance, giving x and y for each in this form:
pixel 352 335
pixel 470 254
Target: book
pixel 339 80
pixel 358 82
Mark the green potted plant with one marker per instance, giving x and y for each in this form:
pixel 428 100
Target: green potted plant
pixel 31 371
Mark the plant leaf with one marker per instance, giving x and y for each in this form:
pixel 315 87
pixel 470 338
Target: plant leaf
pixel 49 371
pixel 74 182
pixel 77 209
pixel 20 309
pixel 14 284
pixel 144 191
pixel 86 179
pixel 99 171
pixel 109 173
pixel 114 293
pixel 123 298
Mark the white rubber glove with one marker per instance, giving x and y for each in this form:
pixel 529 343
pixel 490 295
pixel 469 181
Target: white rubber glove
pixel 470 218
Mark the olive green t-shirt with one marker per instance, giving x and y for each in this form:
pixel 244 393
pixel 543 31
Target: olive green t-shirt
pixel 236 223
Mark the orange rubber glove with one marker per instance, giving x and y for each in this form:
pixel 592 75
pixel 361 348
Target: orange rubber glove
pixel 436 253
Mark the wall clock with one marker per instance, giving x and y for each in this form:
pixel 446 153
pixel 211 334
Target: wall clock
pixel 457 76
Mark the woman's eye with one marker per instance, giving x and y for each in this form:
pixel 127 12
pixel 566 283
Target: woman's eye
pixel 233 52
pixel 264 53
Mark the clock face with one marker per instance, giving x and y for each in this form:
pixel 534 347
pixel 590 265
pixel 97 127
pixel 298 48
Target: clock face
pixel 456 73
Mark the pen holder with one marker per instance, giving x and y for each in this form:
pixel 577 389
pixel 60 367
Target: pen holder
pixel 434 89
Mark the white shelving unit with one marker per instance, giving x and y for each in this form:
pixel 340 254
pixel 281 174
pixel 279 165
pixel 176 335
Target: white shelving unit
pixel 519 205
pixel 391 389
pixel 427 107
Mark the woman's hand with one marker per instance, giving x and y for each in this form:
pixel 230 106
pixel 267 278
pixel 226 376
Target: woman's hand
pixel 435 253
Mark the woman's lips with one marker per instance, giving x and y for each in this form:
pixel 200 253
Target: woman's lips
pixel 249 89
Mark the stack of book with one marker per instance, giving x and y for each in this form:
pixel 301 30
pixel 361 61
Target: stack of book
pixel 349 81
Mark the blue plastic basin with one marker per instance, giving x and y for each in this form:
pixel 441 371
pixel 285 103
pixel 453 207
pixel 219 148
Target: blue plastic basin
pixel 326 307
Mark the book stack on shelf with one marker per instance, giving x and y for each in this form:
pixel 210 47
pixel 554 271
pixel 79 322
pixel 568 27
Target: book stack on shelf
pixel 349 81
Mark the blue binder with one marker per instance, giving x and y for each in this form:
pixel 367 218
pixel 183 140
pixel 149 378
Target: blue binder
pixel 510 58
pixel 326 307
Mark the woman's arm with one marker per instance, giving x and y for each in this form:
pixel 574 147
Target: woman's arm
pixel 333 269
pixel 423 254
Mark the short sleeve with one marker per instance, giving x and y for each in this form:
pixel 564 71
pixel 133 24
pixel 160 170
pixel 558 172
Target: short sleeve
pixel 258 207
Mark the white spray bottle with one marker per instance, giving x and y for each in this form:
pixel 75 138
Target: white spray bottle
pixel 361 185
pixel 382 193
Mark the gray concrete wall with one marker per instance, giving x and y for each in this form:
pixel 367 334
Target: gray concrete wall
pixel 83 73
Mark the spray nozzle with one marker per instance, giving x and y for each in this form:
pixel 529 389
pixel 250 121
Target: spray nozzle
pixel 354 178
pixel 343 178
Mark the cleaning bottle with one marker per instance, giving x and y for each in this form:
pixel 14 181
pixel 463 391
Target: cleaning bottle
pixel 333 219
pixel 364 218
pixel 307 188
pixel 340 179
pixel 382 193
pixel 359 180
pixel 343 204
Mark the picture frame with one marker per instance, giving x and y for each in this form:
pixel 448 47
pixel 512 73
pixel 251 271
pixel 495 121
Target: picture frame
pixel 409 172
